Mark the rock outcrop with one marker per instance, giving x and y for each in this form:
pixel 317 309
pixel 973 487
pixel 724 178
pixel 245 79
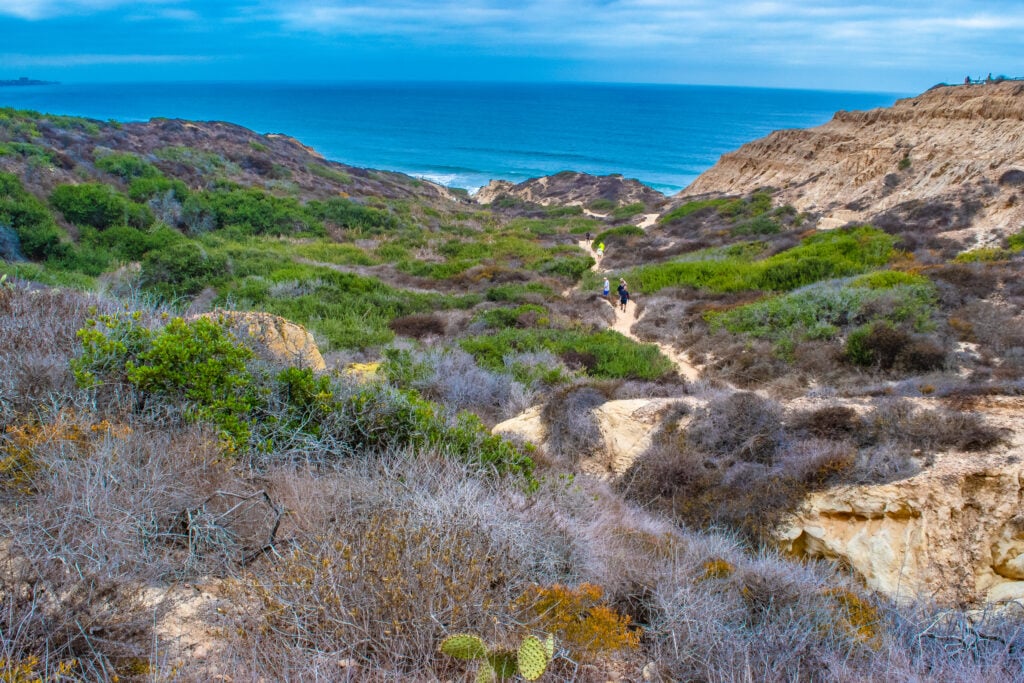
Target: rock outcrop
pixel 626 428
pixel 278 339
pixel 953 533
pixel 569 188
pixel 949 160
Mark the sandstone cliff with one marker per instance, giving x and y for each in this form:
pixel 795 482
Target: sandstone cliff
pixel 953 533
pixel 569 188
pixel 951 159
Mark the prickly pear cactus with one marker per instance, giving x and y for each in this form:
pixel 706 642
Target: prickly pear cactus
pixel 549 646
pixel 485 674
pixel 532 658
pixel 464 646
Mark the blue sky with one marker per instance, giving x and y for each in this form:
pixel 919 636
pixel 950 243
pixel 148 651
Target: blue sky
pixel 834 44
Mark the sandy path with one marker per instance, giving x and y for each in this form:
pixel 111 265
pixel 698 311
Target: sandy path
pixel 624 321
pixel 649 220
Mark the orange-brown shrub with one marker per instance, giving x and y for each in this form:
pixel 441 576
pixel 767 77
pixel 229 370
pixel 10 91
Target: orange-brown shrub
pixel 579 619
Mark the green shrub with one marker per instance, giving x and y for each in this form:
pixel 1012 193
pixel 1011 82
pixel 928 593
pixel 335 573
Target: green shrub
pixel 821 311
pixel 572 267
pixel 889 279
pixel 526 315
pixel 98 206
pixel 879 344
pixel 255 212
pixel 181 268
pixel 126 166
pixel 759 225
pixel 616 235
pixel 1015 242
pixel 351 215
pixel 131 244
pixel 602 205
pixel 732 209
pixel 87 258
pixel 27 150
pixel 146 187
pixel 723 206
pixel 611 355
pixel 983 254
pixel 519 292
pixel 827 255
pixel 198 365
pixel 29 218
pixel 628 211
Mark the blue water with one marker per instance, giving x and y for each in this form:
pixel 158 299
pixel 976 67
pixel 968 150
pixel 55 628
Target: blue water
pixel 463 135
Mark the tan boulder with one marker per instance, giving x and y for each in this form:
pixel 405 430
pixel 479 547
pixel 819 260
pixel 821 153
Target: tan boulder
pixel 626 428
pixel 282 340
pixel 527 424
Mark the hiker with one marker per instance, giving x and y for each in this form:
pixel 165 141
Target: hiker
pixel 607 288
pixel 600 249
pixel 588 236
pixel 623 296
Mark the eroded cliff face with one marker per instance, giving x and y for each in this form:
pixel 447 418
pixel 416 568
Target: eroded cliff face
pixel 951 159
pixel 953 533
pixel 572 188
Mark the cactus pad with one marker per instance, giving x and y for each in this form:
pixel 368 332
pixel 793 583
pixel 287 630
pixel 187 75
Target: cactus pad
pixel 549 646
pixel 464 646
pixel 532 658
pixel 485 674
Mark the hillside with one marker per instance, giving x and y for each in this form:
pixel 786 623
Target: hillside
pixel 946 164
pixel 269 417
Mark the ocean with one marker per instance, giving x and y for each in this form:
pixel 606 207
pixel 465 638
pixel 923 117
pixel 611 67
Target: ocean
pixel 464 134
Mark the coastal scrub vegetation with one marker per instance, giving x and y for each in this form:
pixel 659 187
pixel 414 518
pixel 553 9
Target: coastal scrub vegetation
pixel 342 524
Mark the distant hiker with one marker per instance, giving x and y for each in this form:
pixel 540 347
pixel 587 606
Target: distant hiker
pixel 967 80
pixel 623 296
pixel 607 288
pixel 600 249
pixel 588 236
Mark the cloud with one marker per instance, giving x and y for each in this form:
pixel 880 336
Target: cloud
pixel 642 24
pixel 34 10
pixel 22 60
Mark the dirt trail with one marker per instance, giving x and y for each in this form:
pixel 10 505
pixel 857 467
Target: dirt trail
pixel 648 221
pixel 624 321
